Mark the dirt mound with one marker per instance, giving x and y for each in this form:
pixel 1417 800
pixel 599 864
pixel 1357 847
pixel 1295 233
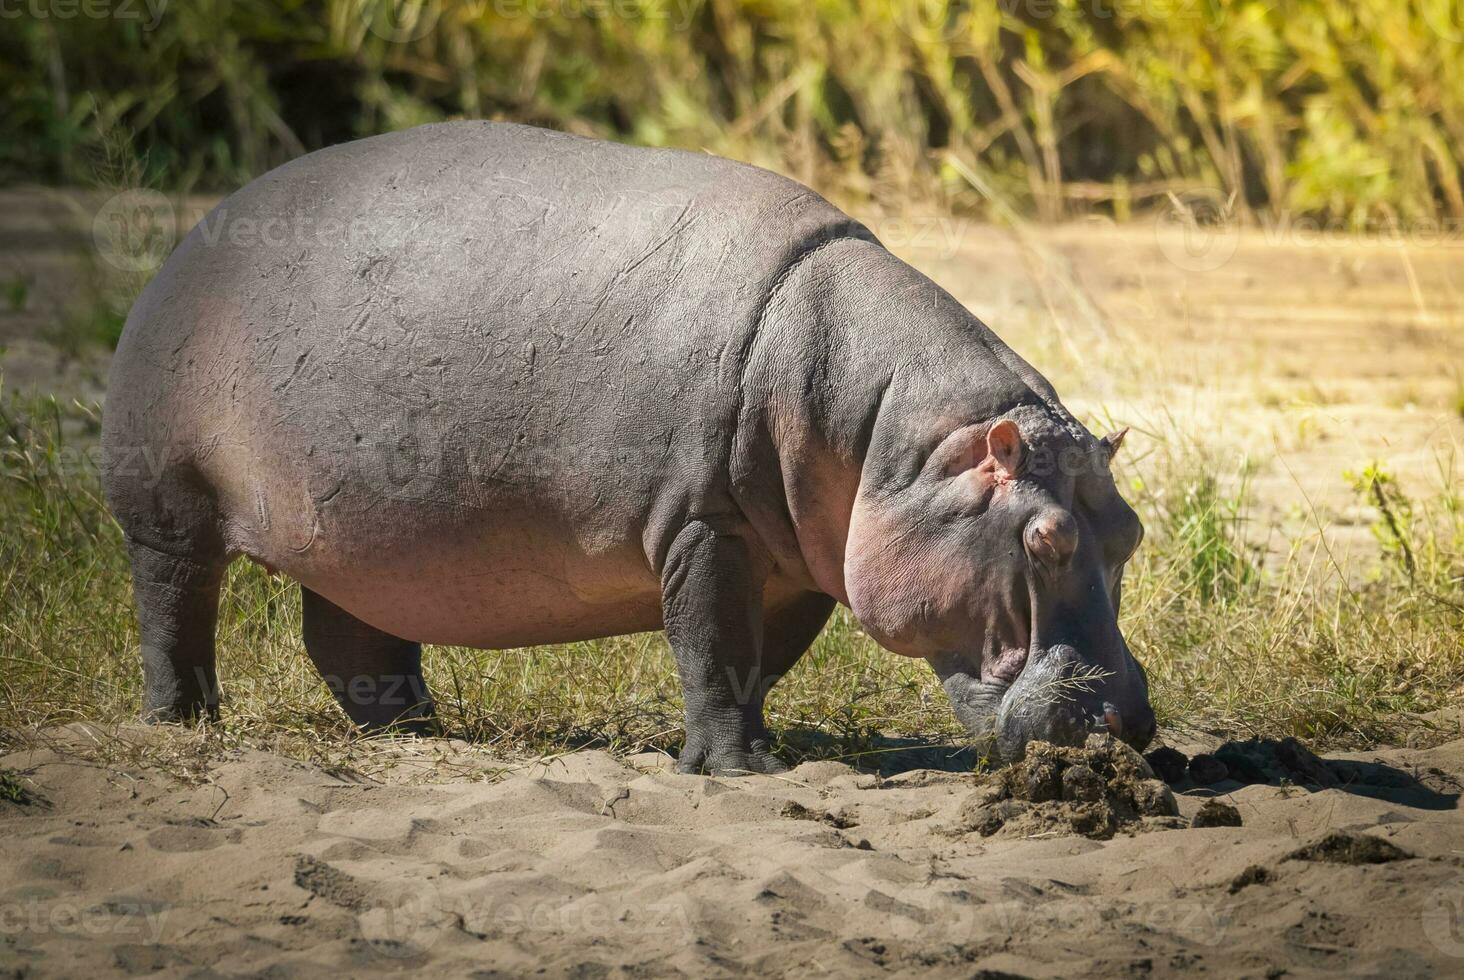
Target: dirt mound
pixel 1348 847
pixel 1213 813
pixel 1097 790
pixel 1256 760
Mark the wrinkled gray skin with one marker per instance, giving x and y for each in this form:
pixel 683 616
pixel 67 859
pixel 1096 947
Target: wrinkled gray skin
pixel 488 385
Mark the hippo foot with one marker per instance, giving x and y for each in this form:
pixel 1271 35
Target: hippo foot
pixel 425 726
pixel 180 714
pixel 698 756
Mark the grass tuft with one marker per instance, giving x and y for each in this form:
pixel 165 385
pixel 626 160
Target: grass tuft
pixel 13 789
pixel 17 292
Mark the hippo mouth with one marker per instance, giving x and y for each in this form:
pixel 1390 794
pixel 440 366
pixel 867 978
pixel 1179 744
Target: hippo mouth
pixel 1006 667
pixel 1009 641
pixel 1027 695
pixel 1023 689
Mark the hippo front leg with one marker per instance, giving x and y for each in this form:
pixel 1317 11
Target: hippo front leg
pixel 711 596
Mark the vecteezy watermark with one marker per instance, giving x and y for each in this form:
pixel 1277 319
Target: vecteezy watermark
pixel 938 236
pixel 1443 918
pixel 404 21
pixel 1199 233
pixel 407 918
pixel 1196 232
pixel 150 12
pixel 1193 921
pixel 135 230
pixel 137 918
pixel 277 231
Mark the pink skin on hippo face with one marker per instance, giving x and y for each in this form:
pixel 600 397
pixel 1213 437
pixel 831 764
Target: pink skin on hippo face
pixel 1002 566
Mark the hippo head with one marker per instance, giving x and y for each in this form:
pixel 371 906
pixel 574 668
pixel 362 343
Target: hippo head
pixel 999 558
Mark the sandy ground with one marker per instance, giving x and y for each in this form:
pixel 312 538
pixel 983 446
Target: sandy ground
pixel 1301 354
pixel 588 866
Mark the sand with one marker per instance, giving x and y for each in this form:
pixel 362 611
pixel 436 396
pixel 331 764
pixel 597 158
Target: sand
pixel 588 865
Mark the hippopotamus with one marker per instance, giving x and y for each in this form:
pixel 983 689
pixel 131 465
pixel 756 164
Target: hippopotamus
pixel 488 385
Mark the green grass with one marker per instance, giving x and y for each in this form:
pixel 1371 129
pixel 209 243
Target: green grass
pixel 89 325
pixel 17 291
pixel 12 788
pixel 1303 650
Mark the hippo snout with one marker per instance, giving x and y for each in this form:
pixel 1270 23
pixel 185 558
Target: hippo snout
pixel 1062 698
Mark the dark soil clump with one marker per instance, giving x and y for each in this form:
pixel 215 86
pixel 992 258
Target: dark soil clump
pixel 1205 769
pixel 1095 791
pixel 1344 847
pixel 1213 813
pixel 1254 874
pixel 1170 765
pixel 1255 760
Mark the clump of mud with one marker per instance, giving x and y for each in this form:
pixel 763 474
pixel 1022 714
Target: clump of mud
pixel 1214 813
pixel 1256 760
pixel 1347 847
pixel 1097 790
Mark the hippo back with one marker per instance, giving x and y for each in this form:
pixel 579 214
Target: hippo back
pixel 416 330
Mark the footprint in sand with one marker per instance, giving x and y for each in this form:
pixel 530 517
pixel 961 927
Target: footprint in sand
pixel 185 838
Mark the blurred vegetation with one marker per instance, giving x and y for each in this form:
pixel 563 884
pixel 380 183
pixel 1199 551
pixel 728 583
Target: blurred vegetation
pixel 1346 111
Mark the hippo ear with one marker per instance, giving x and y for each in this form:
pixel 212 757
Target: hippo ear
pixel 1004 448
pixel 994 451
pixel 1113 441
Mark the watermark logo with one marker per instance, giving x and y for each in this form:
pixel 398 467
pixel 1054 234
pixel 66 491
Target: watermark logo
pixel 1443 918
pixel 134 918
pixel 149 12
pixel 1199 923
pixel 935 20
pixel 407 919
pixel 135 230
pixel 936 236
pixel 403 21
pixel 1196 232
pixel 1009 918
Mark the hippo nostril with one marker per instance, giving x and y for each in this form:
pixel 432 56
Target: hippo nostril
pixel 1112 720
pixel 1052 537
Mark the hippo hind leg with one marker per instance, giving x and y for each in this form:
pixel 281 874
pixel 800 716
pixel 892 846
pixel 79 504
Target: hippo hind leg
pixel 375 677
pixel 177 610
